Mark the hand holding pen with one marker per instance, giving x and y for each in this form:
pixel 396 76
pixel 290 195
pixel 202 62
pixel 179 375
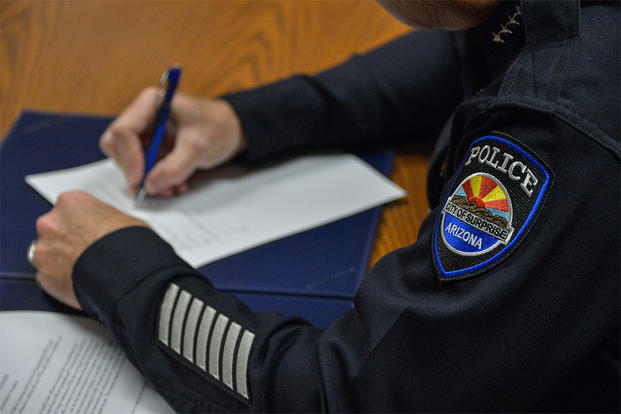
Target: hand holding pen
pixel 200 133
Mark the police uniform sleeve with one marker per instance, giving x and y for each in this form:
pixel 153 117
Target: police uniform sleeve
pixel 405 88
pixel 491 320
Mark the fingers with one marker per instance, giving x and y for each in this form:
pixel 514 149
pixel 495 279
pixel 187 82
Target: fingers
pixel 46 225
pixel 122 140
pixel 207 133
pixel 168 176
pixel 203 133
pixel 181 188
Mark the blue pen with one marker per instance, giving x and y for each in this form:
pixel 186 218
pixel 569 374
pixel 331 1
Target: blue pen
pixel 170 78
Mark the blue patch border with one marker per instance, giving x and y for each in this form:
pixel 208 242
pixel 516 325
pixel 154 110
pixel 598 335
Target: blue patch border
pixel 460 274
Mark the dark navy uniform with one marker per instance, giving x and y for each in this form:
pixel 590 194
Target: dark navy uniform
pixel 508 300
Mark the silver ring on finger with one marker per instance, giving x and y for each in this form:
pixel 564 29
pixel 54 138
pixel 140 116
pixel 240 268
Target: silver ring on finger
pixel 30 253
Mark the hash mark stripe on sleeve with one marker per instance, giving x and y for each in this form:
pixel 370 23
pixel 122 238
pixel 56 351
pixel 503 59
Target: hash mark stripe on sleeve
pixel 190 329
pixel 242 363
pixel 214 346
pixel 166 311
pixel 229 352
pixel 177 324
pixel 206 338
pixel 203 335
pixel 200 318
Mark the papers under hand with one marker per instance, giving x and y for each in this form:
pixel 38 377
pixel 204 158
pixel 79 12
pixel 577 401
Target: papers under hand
pixel 56 363
pixel 232 209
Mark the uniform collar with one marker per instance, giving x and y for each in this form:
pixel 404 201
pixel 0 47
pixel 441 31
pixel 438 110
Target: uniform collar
pixel 549 21
pixel 492 46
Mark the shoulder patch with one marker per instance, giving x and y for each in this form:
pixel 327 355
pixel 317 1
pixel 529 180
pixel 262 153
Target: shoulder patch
pixel 493 202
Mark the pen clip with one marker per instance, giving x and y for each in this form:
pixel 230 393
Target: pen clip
pixel 175 69
pixel 164 78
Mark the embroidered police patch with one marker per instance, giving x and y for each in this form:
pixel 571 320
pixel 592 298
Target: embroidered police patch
pixel 493 201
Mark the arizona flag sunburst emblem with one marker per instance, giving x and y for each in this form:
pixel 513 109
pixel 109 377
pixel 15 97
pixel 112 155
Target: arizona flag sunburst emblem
pixel 485 192
pixel 478 216
pixel 495 198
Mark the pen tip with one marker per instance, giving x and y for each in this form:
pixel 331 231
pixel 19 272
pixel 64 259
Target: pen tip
pixel 140 195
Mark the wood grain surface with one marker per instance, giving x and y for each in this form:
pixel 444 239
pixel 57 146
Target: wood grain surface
pixel 96 56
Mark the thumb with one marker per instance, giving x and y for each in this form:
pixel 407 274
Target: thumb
pixel 172 170
pixel 124 147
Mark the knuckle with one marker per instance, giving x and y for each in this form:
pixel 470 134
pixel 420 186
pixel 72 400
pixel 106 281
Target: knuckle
pixel 199 143
pixel 43 224
pixel 114 132
pixel 148 93
pixel 40 279
pixel 69 199
pixel 81 199
pixel 172 173
pixel 77 196
pixel 105 142
pixel 108 144
pixel 42 261
pixel 119 135
pixel 203 145
pixel 64 199
pixel 40 252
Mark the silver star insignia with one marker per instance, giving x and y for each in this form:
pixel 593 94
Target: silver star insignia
pixel 504 29
pixel 512 21
pixel 496 38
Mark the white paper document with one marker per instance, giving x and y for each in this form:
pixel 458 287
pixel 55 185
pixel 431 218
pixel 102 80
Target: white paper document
pixel 232 209
pixel 57 363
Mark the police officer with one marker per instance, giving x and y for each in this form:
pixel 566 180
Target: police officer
pixel 508 300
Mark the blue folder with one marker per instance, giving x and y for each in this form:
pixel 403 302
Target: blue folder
pixel 313 274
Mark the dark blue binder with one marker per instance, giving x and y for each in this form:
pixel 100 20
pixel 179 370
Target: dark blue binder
pixel 313 274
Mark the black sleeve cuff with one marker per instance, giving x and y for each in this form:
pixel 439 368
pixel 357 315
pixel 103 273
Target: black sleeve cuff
pixel 262 112
pixel 404 89
pixel 115 264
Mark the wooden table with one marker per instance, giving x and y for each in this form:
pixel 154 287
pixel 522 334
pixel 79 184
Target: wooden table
pixel 95 57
